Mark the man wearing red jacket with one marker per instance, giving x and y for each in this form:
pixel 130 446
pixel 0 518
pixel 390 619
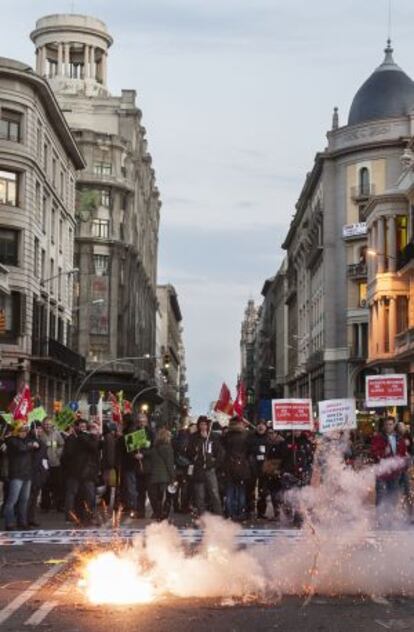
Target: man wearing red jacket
pixel 385 445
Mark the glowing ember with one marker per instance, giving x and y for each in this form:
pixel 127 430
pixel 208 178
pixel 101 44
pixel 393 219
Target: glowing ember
pixel 112 579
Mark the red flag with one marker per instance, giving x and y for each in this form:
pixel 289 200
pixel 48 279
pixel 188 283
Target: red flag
pixel 22 403
pixel 240 402
pixel 116 409
pixel 224 403
pixel 127 407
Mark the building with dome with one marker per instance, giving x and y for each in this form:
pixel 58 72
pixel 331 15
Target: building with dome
pixel 118 204
pixel 348 241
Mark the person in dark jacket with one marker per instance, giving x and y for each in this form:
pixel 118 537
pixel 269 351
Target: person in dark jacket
pixel 387 444
pixel 40 471
pixel 205 453
pixel 238 472
pixel 82 468
pixel 257 445
pixel 162 472
pixel 110 461
pixel 296 469
pixel 19 453
pixel 135 468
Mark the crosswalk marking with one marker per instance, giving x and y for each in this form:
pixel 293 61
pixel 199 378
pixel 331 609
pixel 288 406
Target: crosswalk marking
pixel 46 608
pixel 247 536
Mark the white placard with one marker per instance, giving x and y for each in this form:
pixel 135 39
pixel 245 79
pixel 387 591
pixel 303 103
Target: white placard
pixel 337 414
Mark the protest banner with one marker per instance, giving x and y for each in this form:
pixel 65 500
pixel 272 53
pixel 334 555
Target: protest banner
pixel 337 414
pixel 65 418
pixel 136 440
pixel 386 390
pixel 292 414
pixel 37 414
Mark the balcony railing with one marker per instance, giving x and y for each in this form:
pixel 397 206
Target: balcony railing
pixel 54 350
pixel 406 255
pixel 362 192
pixel 357 270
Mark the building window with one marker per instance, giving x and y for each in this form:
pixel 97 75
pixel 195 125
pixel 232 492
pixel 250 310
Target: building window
pixel 106 198
pixel 52 274
pixel 70 243
pixel 101 264
pixel 402 232
pixel 44 214
pixel 54 165
pixel 43 265
pixel 60 234
pixel 9 312
pixel 39 140
pixel 60 284
pixel 8 188
pixel 100 228
pixel 10 125
pixel 52 225
pixel 9 243
pixel 122 273
pixel 102 168
pixel 364 181
pixel 46 157
pixel 36 257
pixel 362 289
pixel 38 201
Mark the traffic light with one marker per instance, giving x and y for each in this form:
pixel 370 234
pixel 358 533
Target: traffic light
pixel 2 321
pixel 166 361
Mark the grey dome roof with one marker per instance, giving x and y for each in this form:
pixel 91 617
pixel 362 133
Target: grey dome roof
pixel 388 93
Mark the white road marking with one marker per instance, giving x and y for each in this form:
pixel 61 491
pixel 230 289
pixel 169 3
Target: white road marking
pixel 27 594
pixel 46 608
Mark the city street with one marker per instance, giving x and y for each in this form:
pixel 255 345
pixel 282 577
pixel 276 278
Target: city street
pixel 39 589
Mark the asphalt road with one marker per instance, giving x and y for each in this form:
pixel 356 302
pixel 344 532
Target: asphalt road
pixel 38 589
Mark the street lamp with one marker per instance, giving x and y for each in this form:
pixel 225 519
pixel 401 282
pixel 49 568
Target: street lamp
pixel 43 282
pixel 147 356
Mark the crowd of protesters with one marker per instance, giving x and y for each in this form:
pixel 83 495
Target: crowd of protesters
pixel 241 471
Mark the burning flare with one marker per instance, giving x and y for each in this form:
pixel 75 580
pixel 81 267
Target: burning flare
pixel 109 578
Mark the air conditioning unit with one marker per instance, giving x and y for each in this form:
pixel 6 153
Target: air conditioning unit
pixel 363 303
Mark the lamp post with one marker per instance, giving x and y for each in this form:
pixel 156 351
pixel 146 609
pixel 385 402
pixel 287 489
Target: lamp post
pixel 141 392
pixel 42 282
pixel 87 377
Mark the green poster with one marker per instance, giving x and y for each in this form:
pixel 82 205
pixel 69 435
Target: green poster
pixel 37 414
pixel 136 440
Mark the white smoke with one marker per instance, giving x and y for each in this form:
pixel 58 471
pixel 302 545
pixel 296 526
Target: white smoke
pixel 336 551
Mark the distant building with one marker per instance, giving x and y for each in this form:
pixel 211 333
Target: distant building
pixel 38 162
pixel 118 204
pixel 172 379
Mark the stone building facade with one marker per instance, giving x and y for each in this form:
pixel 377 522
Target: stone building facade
pixel 118 204
pixel 39 159
pixel 173 380
pixel 326 246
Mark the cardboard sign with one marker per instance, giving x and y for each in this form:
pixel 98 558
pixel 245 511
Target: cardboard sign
pixel 337 414
pixel 136 440
pixel 292 414
pixel 386 390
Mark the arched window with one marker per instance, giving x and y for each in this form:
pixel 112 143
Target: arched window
pixel 364 181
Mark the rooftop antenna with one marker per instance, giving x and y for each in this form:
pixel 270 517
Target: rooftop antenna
pixel 389 22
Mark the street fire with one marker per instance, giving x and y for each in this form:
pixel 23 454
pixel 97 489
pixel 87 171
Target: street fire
pixel 336 552
pixel 109 578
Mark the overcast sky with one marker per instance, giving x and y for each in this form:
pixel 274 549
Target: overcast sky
pixel 237 96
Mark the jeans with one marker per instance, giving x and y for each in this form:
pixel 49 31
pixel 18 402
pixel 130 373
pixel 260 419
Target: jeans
pixel 236 503
pixel 208 483
pixel 88 493
pixel 17 498
pixel 130 491
pixel 387 496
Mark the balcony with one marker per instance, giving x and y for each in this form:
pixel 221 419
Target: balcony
pixel 406 255
pixel 404 341
pixel 362 193
pixel 58 354
pixel 357 270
